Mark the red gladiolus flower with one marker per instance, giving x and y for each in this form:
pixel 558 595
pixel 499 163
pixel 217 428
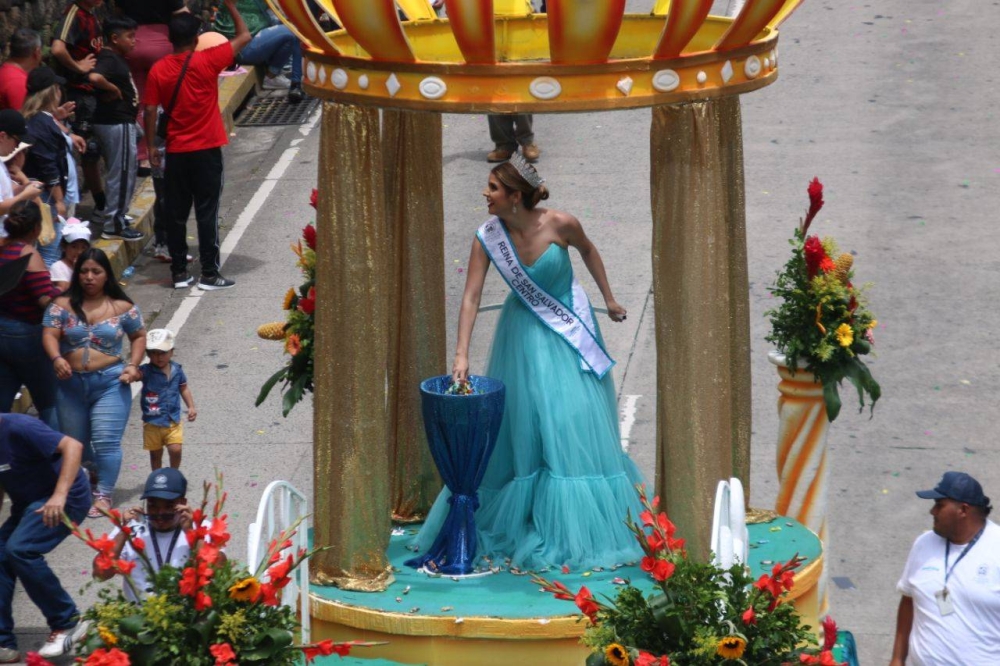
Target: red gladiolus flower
pixel 104 562
pixel 663 570
pixel 202 601
pixel 217 532
pixel 814 255
pixel 825 658
pixel 749 617
pixel 826 265
pixel 34 659
pixel 314 198
pixel 268 594
pixel 585 602
pixel 138 544
pixel 309 234
pixel 223 653
pixel 656 541
pixel 646 659
pixel 308 304
pixel 104 657
pixel 675 544
pixel 829 632
pixel 563 592
pixel 124 567
pixel 325 649
pixel 815 191
pixel 278 574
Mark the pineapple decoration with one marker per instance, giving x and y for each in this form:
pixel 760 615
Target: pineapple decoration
pixel 843 267
pixel 275 330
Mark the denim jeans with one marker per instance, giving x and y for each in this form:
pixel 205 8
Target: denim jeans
pixel 23 362
pixel 93 409
pixel 274 47
pixel 24 542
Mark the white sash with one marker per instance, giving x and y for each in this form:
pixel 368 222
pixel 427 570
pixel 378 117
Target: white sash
pixel 574 324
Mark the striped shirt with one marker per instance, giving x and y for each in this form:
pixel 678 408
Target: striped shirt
pixel 21 302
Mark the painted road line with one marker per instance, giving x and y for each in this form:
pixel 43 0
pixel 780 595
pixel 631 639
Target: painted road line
pixel 628 419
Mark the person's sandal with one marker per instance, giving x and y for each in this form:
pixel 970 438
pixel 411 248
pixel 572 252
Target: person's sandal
pixel 100 502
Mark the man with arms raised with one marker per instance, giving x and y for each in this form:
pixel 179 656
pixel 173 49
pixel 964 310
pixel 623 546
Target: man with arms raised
pixel 950 610
pixel 195 137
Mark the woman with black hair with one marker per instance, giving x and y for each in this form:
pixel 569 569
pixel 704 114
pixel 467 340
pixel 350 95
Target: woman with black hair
pixel 83 333
pixel 22 359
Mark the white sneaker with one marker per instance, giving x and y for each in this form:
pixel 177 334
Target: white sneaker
pixel 279 82
pixel 61 642
pixel 161 252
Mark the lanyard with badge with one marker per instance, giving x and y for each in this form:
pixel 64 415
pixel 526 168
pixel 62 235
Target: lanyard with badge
pixel 945 607
pixel 170 548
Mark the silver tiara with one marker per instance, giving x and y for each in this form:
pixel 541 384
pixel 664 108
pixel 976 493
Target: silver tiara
pixel 526 170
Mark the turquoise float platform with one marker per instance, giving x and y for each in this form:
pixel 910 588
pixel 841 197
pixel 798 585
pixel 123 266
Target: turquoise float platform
pixel 446 621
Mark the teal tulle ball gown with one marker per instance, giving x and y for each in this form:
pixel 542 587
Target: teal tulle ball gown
pixel 558 486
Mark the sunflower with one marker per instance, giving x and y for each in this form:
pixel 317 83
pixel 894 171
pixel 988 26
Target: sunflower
pixel 845 335
pixel 107 637
pixel 289 299
pixel 617 655
pixel 731 647
pixel 293 344
pixel 247 589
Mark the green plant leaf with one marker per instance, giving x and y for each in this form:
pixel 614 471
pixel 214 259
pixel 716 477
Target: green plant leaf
pixel 267 644
pixel 269 384
pixel 831 396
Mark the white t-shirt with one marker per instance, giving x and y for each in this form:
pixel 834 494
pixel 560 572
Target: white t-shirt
pixel 970 635
pixel 175 557
pixel 61 271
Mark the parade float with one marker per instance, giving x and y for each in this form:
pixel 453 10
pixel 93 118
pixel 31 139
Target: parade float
pixel 379 298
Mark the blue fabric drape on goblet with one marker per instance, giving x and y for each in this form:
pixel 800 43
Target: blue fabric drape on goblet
pixel 461 431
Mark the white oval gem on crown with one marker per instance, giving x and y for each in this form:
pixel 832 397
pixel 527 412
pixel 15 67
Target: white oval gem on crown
pixel 702 77
pixel 311 71
pixel 322 75
pixel 752 67
pixel 433 88
pixel 666 80
pixel 339 78
pixel 363 82
pixel 767 63
pixel 545 87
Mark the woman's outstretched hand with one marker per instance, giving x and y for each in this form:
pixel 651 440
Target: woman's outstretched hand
pixel 616 312
pixel 460 369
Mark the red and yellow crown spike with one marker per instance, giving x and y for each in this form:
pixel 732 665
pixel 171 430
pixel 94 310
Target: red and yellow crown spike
pixel 374 25
pixel 749 23
pixel 583 31
pixel 300 21
pixel 472 25
pixel 684 18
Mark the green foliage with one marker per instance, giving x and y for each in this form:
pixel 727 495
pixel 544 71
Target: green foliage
pixel 823 325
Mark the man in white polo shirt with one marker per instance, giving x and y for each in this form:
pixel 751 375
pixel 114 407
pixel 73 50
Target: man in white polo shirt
pixel 949 614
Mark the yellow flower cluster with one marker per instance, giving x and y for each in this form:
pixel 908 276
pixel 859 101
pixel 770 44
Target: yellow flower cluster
pixel 731 647
pixel 845 335
pixel 247 589
pixel 107 636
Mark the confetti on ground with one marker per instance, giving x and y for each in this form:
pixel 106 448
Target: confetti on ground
pixel 586 574
pixel 445 609
pixel 260 432
pixel 885 491
pixel 928 432
pixel 133 467
pixel 964 381
pixel 775 529
pixel 618 581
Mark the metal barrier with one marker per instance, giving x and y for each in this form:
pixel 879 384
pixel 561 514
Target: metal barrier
pixel 280 506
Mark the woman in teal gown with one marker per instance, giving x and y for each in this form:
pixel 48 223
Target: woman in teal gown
pixel 558 486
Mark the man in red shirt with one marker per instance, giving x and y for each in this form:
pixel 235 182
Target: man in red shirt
pixel 195 137
pixel 25 55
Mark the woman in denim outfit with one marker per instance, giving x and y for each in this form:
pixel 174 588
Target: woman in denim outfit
pixel 83 335
pixel 22 360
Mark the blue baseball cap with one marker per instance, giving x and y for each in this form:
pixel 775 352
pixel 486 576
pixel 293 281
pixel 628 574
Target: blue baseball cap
pixel 166 483
pixel 957 486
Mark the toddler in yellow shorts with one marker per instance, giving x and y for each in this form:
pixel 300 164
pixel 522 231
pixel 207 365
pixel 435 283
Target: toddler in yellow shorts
pixel 164 385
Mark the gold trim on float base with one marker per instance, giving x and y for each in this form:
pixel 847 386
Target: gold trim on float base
pixel 445 641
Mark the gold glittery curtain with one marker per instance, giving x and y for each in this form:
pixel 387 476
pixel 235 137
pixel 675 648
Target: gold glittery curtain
pixel 350 445
pixel 702 311
pixel 414 187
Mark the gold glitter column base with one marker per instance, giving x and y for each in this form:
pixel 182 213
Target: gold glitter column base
pixel 350 442
pixel 701 288
pixel 414 188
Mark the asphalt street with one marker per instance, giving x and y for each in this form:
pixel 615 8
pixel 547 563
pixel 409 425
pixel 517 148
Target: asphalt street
pixel 891 104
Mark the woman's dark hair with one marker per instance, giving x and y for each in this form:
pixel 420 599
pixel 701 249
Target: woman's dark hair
pixel 183 29
pixel 513 181
pixel 24 218
pixel 111 286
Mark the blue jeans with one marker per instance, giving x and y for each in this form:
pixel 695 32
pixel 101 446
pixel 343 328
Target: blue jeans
pixel 23 362
pixel 274 47
pixel 93 409
pixel 24 542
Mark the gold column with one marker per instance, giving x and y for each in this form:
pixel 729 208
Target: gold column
pixel 414 188
pixel 701 293
pixel 350 444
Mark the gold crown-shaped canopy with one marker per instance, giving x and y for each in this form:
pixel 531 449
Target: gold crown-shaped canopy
pixel 496 56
